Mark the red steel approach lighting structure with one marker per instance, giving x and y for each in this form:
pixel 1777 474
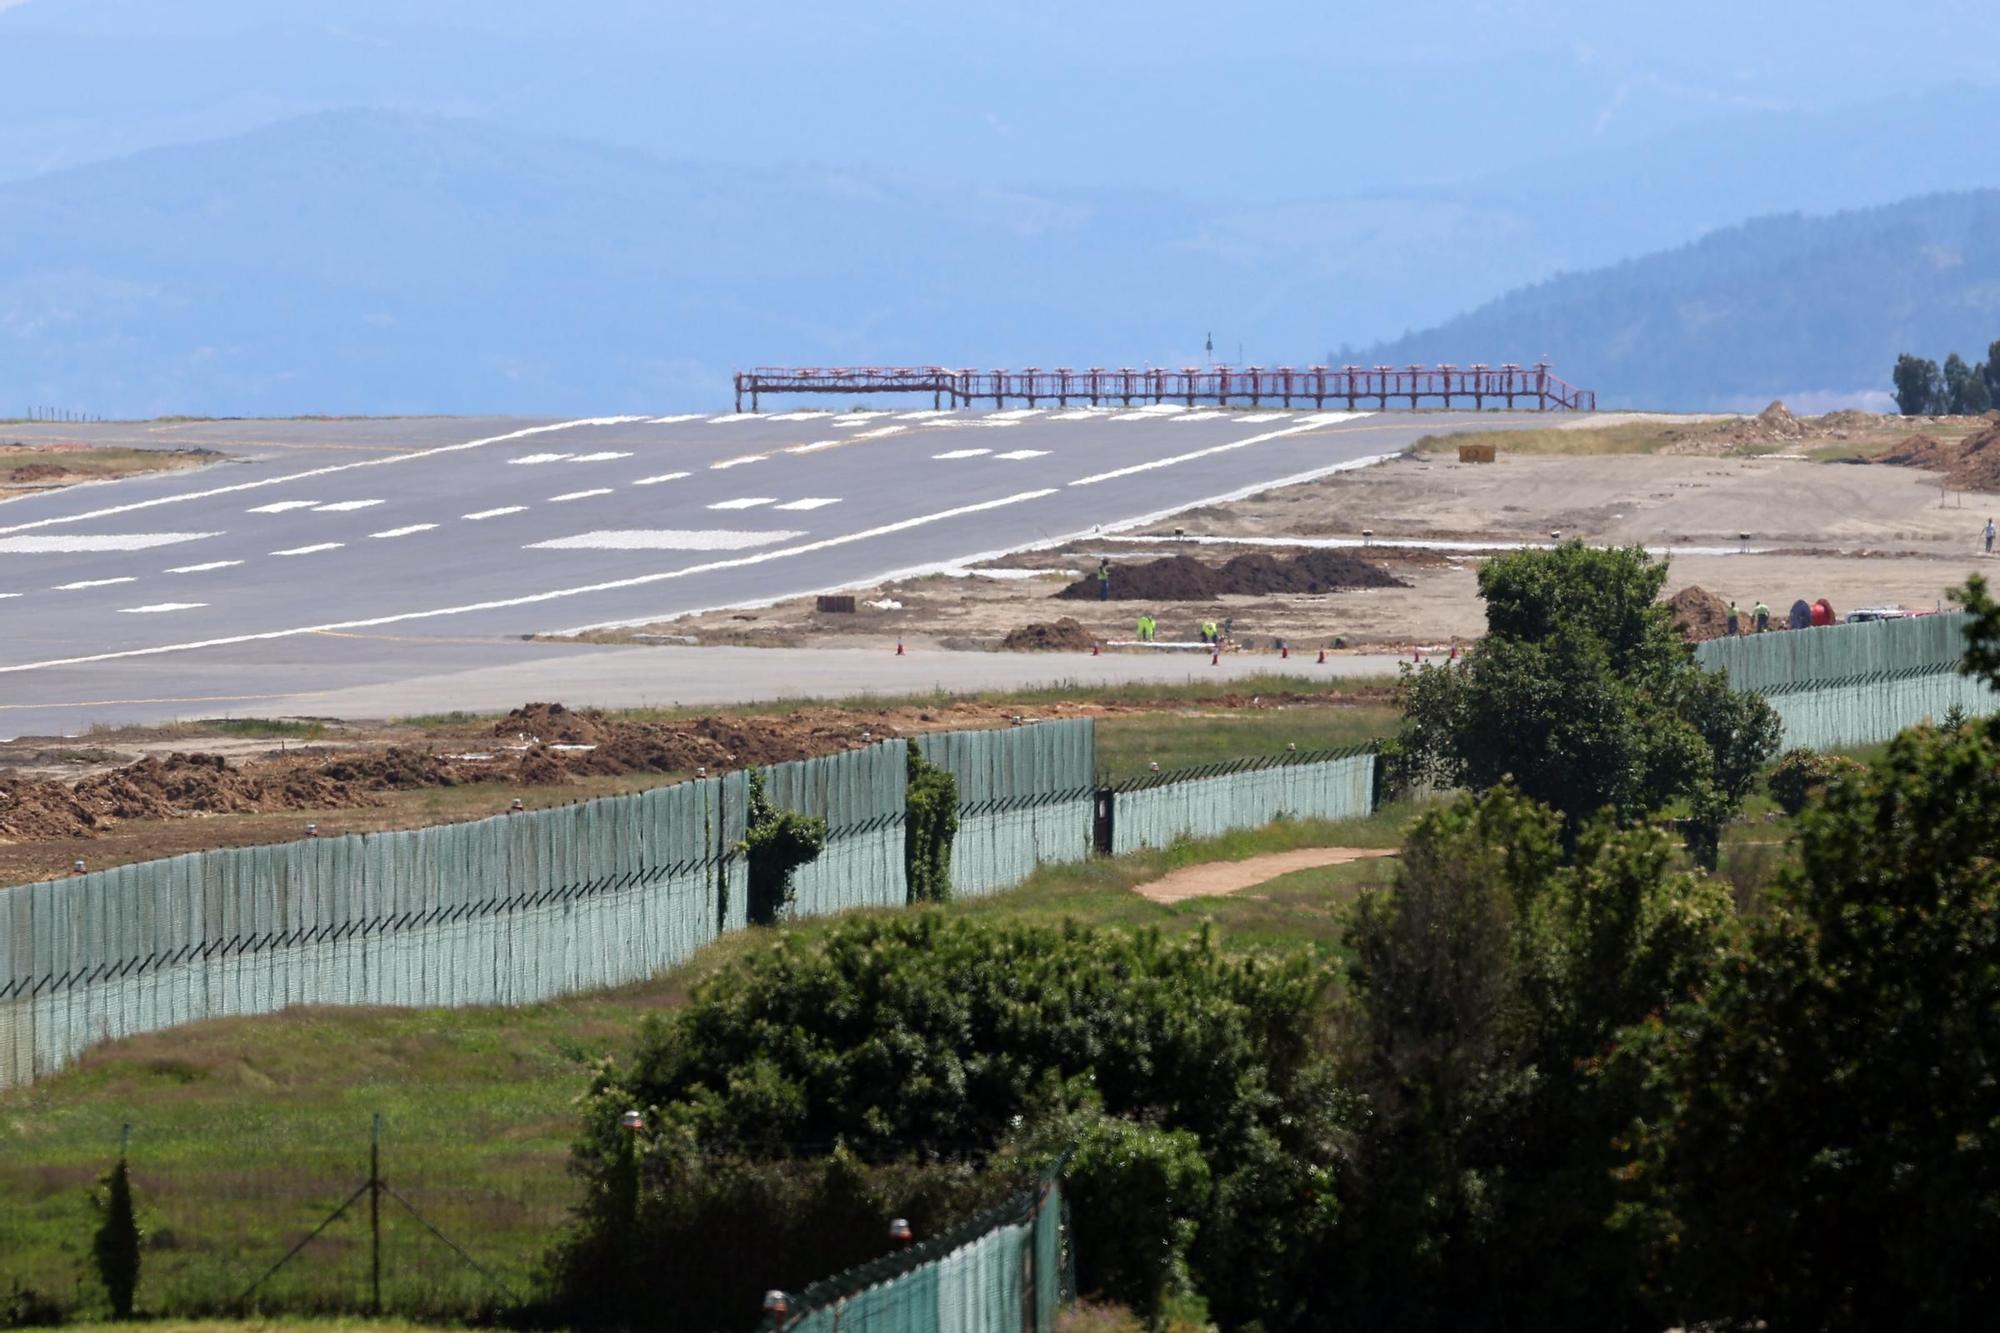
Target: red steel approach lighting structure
pixel 1476 386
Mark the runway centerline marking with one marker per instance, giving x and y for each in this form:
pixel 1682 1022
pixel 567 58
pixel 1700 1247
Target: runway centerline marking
pixel 83 543
pixel 663 539
pixel 664 476
pixel 404 532
pixel 313 549
pixel 567 496
pixel 815 446
pixel 601 456
pixel 728 463
pixel 961 453
pixel 345 506
pixel 747 502
pixel 1015 455
pixel 282 506
pixel 81 584
pixel 329 470
pixel 1310 423
pixel 554 594
pixel 204 568
pixel 479 515
pixel 529 460
pixel 811 502
pixel 158 607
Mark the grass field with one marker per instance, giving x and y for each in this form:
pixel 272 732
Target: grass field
pixel 244 1133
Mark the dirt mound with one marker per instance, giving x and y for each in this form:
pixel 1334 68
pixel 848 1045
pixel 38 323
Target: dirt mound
pixel 176 787
pixel 32 472
pixel 1064 635
pixel 1920 451
pixel 1977 466
pixel 1776 422
pixel 553 724
pixel 1700 614
pixel 1182 578
pixel 1848 418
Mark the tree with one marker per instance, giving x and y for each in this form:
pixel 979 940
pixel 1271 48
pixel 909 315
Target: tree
pixel 1958 379
pixel 1920 389
pixel 1488 987
pixel 1818 1149
pixel 1990 373
pixel 115 1247
pixel 1584 697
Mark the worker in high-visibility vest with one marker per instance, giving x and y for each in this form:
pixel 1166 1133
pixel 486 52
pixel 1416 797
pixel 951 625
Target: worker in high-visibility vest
pixel 1104 579
pixel 1209 632
pixel 1735 622
pixel 1762 615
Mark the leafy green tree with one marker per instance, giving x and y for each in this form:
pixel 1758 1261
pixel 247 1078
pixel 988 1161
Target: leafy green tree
pixel 1958 377
pixel 1137 1195
pixel 1990 373
pixel 1920 388
pixel 115 1247
pixel 1978 396
pixel 929 826
pixel 776 844
pixel 1584 697
pixel 1819 1149
pixel 1487 989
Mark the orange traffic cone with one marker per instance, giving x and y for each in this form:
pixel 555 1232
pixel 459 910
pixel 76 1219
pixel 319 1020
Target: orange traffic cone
pixel 1215 658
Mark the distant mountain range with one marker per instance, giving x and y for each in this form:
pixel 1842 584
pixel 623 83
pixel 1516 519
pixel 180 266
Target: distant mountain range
pixel 1814 310
pixel 370 261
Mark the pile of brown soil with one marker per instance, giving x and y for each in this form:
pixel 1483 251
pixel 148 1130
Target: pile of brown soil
pixel 177 786
pixel 1064 635
pixel 27 473
pixel 1977 466
pixel 1700 614
pixel 1920 451
pixel 1182 578
pixel 1776 422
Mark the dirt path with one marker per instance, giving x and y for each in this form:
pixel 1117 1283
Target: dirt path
pixel 1220 877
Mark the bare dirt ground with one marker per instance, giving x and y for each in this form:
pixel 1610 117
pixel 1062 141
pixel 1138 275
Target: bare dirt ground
pixel 1216 878
pixel 28 468
pixel 1858 535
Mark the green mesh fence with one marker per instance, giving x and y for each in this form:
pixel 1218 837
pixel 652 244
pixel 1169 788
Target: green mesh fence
pixel 1837 652
pixel 1847 685
pixel 1026 797
pixel 1009 1269
pixel 1156 810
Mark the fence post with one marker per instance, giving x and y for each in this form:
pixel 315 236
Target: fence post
pixel 375 1216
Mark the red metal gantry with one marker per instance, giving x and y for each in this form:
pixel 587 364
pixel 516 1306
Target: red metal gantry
pixel 1255 386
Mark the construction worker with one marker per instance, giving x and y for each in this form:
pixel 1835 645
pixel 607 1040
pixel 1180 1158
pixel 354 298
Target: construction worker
pixel 1208 632
pixel 1735 623
pixel 1104 579
pixel 1990 532
pixel 1145 628
pixel 1762 614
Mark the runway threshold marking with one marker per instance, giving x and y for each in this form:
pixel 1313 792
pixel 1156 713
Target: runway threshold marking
pixel 550 595
pixel 330 470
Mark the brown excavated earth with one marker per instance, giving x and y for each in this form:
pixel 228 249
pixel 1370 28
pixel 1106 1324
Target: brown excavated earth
pixel 1182 578
pixel 1700 614
pixel 1065 635
pixel 1971 464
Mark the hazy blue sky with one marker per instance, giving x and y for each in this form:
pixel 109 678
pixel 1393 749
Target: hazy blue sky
pixel 1265 100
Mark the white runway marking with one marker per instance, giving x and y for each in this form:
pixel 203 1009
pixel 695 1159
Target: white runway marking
pixel 664 476
pixel 553 594
pixel 664 539
pixel 79 543
pixel 728 463
pixel 1016 414
pixel 601 456
pixel 345 506
pixel 1201 416
pixel 812 414
pixel 329 470
pixel 747 502
pixel 205 568
pixel 1080 414
pixel 815 446
pixel 1310 423
pixel 5 595
pixel 313 549
pixel 857 418
pixel 1256 417
pixel 578 495
pixel 404 532
pixel 158 607
pixel 675 420
pixel 924 415
pixel 531 459
pixel 728 417
pixel 878 432
pixel 94 583
pixel 962 453
pixel 1015 455
pixel 282 506
pixel 812 502
pixel 477 515
pixel 1152 412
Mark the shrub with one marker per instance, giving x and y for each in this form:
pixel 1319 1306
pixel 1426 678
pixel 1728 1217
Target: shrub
pixel 929 828
pixel 115 1248
pixel 777 844
pixel 1136 1194
pixel 1799 773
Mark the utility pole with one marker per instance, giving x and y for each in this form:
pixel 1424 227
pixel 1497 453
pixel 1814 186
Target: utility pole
pixel 375 1217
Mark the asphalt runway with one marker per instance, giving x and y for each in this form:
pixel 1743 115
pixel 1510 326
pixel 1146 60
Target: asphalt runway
pixel 350 564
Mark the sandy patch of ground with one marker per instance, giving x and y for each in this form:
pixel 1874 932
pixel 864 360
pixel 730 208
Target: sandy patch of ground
pixel 1216 878
pixel 29 468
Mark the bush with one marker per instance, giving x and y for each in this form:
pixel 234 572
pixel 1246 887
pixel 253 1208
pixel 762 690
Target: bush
pixel 1136 1195
pixel 1800 773
pixel 777 844
pixel 929 828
